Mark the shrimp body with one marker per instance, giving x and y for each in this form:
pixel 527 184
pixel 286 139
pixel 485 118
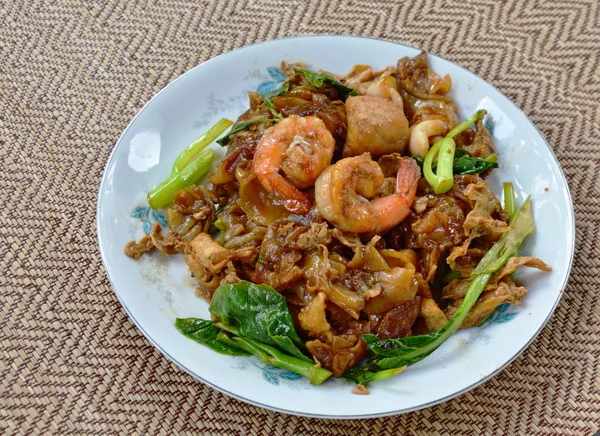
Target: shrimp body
pixel 300 148
pixel 343 189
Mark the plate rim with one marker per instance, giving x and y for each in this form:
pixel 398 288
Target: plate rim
pixel 572 241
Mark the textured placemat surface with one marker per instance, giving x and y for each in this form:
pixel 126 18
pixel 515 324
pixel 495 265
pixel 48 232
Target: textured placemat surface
pixel 73 74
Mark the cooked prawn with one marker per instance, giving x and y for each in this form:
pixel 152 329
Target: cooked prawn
pixel 301 148
pixel 343 189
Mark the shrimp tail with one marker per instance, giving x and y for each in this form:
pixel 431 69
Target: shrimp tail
pixel 292 198
pixel 408 177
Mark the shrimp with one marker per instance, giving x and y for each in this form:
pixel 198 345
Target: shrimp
pixel 343 189
pixel 301 147
pixel 385 87
pixel 420 133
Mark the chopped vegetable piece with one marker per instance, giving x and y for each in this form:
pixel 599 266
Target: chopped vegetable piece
pixel 267 97
pixel 239 127
pixel 189 166
pixel 200 144
pixel 253 319
pixel 319 80
pixel 442 179
pixel 510 201
pixel 163 194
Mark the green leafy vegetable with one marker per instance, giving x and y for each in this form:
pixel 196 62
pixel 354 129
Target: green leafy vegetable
pixel 268 96
pixel 474 165
pixel 464 164
pixel 205 332
pixel 442 178
pixel 253 319
pixel 189 167
pixel 319 80
pixel 275 357
pixel 363 377
pixel 397 353
pixel 239 127
pixel 257 312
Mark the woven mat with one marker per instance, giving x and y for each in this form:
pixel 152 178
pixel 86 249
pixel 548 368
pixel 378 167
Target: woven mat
pixel 72 75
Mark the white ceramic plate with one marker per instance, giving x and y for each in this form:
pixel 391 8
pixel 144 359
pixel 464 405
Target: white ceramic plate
pixel 155 291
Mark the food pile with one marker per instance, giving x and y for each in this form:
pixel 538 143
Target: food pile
pixel 349 230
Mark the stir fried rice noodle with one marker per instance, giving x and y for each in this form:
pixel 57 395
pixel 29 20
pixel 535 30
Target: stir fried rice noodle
pixel 326 207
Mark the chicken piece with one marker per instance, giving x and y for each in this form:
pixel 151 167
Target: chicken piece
pixel 339 354
pixel 167 245
pixel 434 317
pixel 375 125
pixel 136 250
pixel 506 292
pixel 211 264
pixel 312 318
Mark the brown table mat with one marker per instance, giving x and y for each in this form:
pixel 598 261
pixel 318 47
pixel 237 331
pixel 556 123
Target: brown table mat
pixel 73 74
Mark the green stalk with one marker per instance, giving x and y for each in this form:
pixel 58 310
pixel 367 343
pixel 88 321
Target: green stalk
pixel 509 242
pixel 189 167
pixel 200 144
pixel 162 195
pixel 510 205
pixel 362 377
pixel 466 124
pixel 272 356
pixel 442 179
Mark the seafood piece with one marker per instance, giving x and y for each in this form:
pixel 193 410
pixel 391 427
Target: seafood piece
pixel 420 134
pixel 343 189
pixel 375 125
pixel 300 147
pixel 385 87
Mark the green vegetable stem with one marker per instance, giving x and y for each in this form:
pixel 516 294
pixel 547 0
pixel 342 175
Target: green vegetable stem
pixel 442 179
pixel 189 167
pixel 465 164
pixel 398 353
pixel 253 320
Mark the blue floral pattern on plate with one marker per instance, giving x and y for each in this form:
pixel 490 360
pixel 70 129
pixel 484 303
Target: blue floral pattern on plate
pixel 501 315
pixel 149 216
pixel 273 374
pixel 277 77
